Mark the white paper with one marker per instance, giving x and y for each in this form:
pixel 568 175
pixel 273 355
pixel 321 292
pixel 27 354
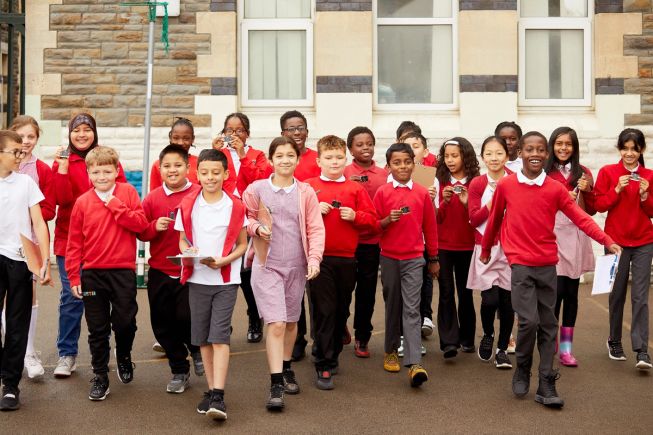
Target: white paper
pixel 605 273
pixel 186 260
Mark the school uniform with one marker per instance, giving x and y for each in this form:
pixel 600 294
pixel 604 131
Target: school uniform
pixel 524 210
pixel 155 173
pixel 629 223
pixel 402 249
pixel 18 193
pixel 41 173
pixel 102 242
pixel 307 166
pixel 430 160
pixel 168 297
pixel 515 165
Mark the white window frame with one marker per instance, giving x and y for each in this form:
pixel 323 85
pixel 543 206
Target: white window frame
pixel 449 21
pixel 557 23
pixel 277 24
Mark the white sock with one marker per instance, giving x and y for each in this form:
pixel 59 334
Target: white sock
pixel 32 330
pixel 4 322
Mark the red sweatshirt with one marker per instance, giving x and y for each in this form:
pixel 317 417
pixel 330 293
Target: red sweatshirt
pixel 454 231
pixel 478 214
pixel 376 177
pixel 342 236
pixel 67 188
pixel 155 173
pixel 163 243
pixel 629 219
pixel 307 166
pixel 253 166
pixel 430 160
pixel 405 239
pixel 588 197
pixel 104 236
pixel 527 233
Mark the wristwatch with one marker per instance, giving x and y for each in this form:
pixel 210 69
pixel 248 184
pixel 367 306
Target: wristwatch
pixel 434 259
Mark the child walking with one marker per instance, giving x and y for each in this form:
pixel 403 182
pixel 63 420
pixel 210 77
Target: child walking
pixel 181 133
pixel 526 204
pixel 287 233
pixel 622 189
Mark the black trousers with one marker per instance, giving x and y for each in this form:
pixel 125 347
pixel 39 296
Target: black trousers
pixel 16 287
pixel 246 286
pixel 455 327
pixel 170 317
pixel 567 292
pixel 427 292
pixel 330 294
pixel 367 273
pixel 498 300
pixel 109 304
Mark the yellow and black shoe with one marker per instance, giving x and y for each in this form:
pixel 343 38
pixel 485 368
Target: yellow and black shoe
pixel 391 362
pixel 417 375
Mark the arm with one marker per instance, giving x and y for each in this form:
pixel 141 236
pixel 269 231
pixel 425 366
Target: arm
pixel 43 238
pixel 128 215
pixel 582 219
pixel 477 213
pixel 366 218
pixel 389 216
pixel 150 232
pixel 46 184
pixel 430 228
pixel 251 201
pixel 75 247
pixel 494 222
pixel 315 232
pixel 252 170
pixel 63 190
pixel 586 186
pixel 604 195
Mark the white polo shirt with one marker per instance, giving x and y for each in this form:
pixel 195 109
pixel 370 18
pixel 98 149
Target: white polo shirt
pixel 18 193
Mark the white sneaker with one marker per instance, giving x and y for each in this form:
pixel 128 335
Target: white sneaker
pixel 33 365
pixel 512 345
pixel 427 327
pixel 65 366
pixel 400 351
pixel 156 347
pixel 423 350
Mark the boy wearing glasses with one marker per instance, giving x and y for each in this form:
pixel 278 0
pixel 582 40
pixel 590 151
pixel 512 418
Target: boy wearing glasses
pixel 19 200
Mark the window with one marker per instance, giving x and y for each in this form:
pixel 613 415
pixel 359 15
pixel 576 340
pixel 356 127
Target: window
pixel 277 52
pixel 555 53
pixel 414 56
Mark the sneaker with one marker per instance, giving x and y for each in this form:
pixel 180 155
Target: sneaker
pixel 10 399
pixel 65 366
pixel 417 375
pixel 217 409
pixel 427 327
pixel 450 351
pixel 99 388
pixel 156 347
pixel 346 337
pixel 468 349
pixel 125 369
pixel 391 362
pixel 422 349
pixel 643 361
pixel 546 392
pixel 324 380
pixel 275 401
pixel 501 360
pixel 521 381
pixel 568 360
pixel 616 350
pixel 512 345
pixel 400 349
pixel 198 364
pixel 33 365
pixel 178 383
pixel 485 348
pixel 361 350
pixel 203 406
pixel 254 331
pixel 290 384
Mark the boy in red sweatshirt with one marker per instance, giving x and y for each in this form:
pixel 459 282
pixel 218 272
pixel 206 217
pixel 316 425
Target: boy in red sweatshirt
pixel 169 309
pixel 527 203
pixel 347 210
pixel 408 225
pixel 102 241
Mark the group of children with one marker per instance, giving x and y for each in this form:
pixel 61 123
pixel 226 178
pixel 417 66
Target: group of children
pixel 301 220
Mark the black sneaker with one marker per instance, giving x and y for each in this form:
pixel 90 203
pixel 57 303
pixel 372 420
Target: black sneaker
pixel 203 406
pixel 99 388
pixel 643 361
pixel 521 381
pixel 217 409
pixel 275 401
pixel 546 392
pixel 198 364
pixel 616 350
pixel 450 351
pixel 290 384
pixel 324 380
pixel 10 399
pixel 254 331
pixel 485 348
pixel 502 361
pixel 125 369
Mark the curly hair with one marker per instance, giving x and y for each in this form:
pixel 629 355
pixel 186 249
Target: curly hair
pixel 471 166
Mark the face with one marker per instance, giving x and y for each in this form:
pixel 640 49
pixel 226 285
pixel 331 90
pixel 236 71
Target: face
pixel 629 154
pixel 103 177
pixel 182 135
pixel 30 137
pixel 563 149
pixel 401 166
pixel 494 156
pixel 418 148
pixel 211 175
pixel 11 156
pixel 453 159
pixel 235 127
pixel 534 154
pixel 284 160
pixel 332 163
pixel 295 129
pixel 173 170
pixel 511 137
pixel 82 137
pixel 362 148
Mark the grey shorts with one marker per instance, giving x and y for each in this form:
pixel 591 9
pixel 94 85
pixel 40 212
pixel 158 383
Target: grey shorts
pixel 211 307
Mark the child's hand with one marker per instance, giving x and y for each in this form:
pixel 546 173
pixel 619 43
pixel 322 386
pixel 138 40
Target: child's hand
pixel 434 270
pixel 218 143
pixel 44 274
pixel 432 192
pixel 463 196
pixel 622 183
pixel 163 223
pixel 347 214
pixel 643 188
pixel 63 163
pixel 485 260
pixel 76 290
pixel 313 272
pixel 573 194
pixel 238 145
pixel 325 207
pixel 192 250
pixel 214 262
pixel 584 184
pixel 264 233
pixel 447 193
pixel 615 249
pixel 489 205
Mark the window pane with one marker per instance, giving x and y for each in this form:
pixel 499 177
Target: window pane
pixel 417 73
pixel 414 8
pixel 553 8
pixel 554 64
pixel 277 65
pixel 277 8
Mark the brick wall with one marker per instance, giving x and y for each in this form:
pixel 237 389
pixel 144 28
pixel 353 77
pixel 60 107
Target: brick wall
pixel 642 47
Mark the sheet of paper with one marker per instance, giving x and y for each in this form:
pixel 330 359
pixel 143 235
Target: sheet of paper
pixel 605 273
pixel 187 260
pixel 424 175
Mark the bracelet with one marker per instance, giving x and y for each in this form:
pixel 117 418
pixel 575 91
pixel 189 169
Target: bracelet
pixel 435 259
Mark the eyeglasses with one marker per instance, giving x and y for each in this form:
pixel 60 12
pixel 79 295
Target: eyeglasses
pixel 229 131
pixel 17 152
pixel 300 129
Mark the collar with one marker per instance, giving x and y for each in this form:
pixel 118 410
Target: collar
pixel 202 202
pixel 454 181
pixel 396 184
pixel 169 192
pixel 539 181
pixel 104 195
pixel 233 150
pixel 288 189
pixel 632 171
pixel 339 180
pixel 10 178
pixel 32 161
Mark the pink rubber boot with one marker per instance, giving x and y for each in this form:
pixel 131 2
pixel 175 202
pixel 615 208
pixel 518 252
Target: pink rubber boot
pixel 566 338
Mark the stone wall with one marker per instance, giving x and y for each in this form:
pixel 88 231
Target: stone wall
pixel 642 47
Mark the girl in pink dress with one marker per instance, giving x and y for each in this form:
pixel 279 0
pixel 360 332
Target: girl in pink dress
pixel 287 233
pixel 574 246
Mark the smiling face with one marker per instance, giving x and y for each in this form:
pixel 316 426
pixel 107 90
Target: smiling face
pixel 173 171
pixel 418 148
pixel 284 160
pixel 10 156
pixel 630 154
pixel 494 156
pixel 103 177
pixel 563 148
pixel 362 148
pixel 82 137
pixel 182 135
pixel 234 127
pixel 511 137
pixel 296 129
pixel 534 154
pixel 30 137
pixel 332 163
pixel 401 166
pixel 453 159
pixel 211 175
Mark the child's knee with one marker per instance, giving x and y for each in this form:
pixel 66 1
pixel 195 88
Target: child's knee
pixel 277 329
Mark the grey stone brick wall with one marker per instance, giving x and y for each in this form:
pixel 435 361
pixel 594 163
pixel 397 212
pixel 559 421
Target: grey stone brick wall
pixel 491 5
pixel 223 5
pixel 343 5
pixel 608 6
pixel 610 86
pixel 642 47
pixel 488 83
pixel 344 84
pixel 224 86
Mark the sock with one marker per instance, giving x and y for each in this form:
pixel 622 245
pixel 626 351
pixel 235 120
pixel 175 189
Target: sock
pixel 218 392
pixel 276 378
pixel 286 365
pixel 565 340
pixel 4 322
pixel 32 330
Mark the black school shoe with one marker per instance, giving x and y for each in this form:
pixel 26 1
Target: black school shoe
pixel 450 351
pixel 99 388
pixel 125 369
pixel 290 384
pixel 254 331
pixel 521 380
pixel 546 392
pixel 10 399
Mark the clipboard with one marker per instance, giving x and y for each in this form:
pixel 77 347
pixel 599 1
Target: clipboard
pixel 424 175
pixel 605 273
pixel 32 255
pixel 264 216
pixel 186 260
